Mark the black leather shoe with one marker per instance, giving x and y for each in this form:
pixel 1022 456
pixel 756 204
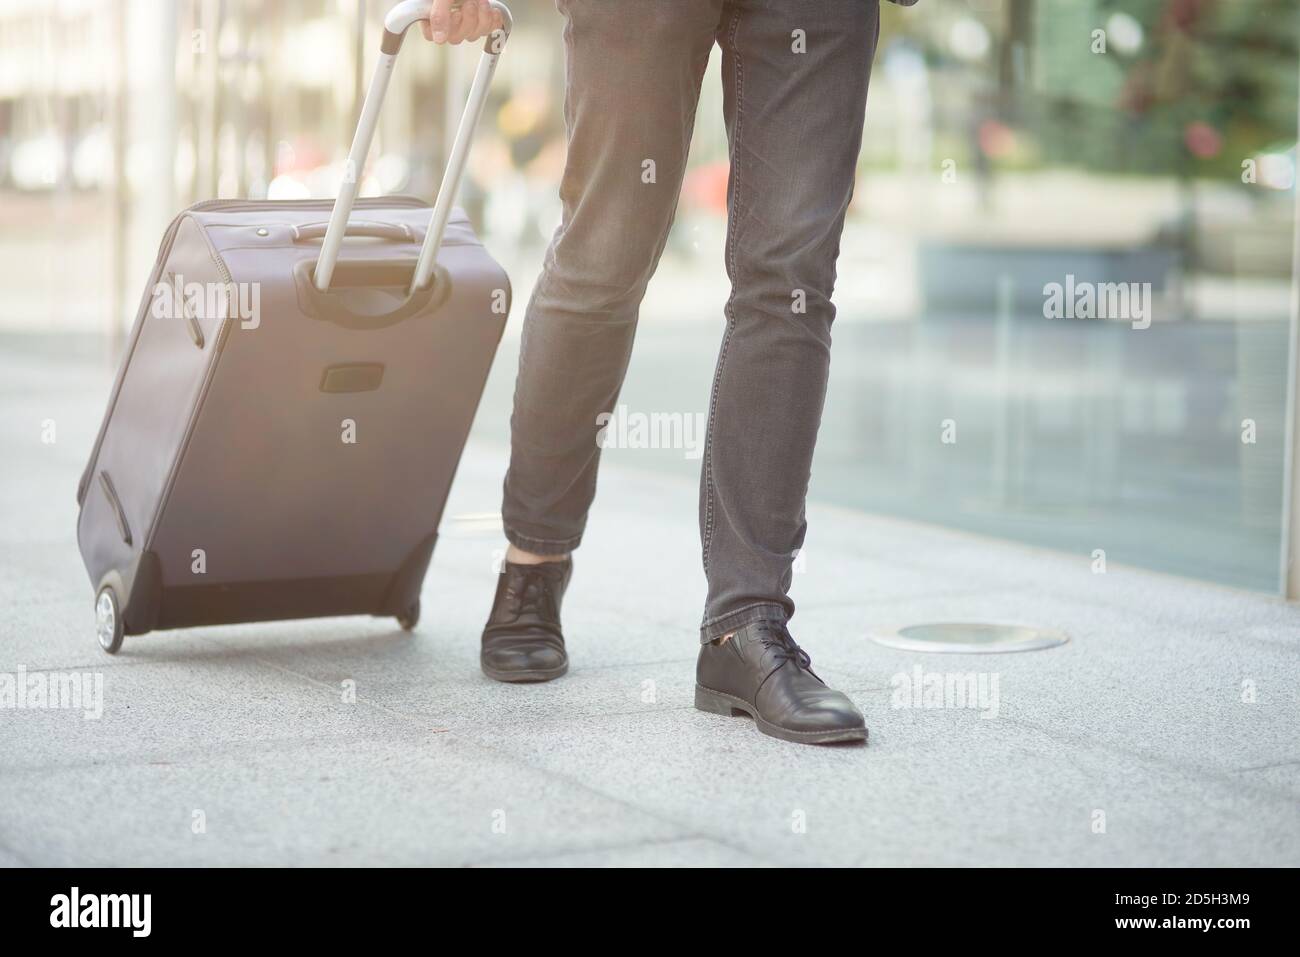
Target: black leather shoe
pixel 760 671
pixel 522 640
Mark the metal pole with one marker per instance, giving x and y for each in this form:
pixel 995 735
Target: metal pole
pixel 271 86
pixel 1289 560
pixel 398 21
pixel 209 73
pixel 120 187
pixel 1003 483
pixel 478 91
pixel 329 252
pixel 358 61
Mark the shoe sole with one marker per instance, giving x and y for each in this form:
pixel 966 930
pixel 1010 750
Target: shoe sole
pixel 719 702
pixel 524 677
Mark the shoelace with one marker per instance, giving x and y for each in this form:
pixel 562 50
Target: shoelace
pixel 529 593
pixel 784 648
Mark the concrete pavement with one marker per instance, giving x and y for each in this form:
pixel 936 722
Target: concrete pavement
pixel 1164 733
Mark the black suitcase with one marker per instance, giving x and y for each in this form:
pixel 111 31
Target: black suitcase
pixel 290 411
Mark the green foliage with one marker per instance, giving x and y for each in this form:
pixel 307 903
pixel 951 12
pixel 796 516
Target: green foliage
pixel 1231 65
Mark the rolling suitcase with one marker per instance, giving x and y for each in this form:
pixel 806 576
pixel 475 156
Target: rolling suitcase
pixel 289 414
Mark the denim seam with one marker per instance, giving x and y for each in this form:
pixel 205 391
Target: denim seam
pixel 710 486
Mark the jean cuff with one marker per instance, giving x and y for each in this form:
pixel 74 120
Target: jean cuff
pixel 542 546
pixel 714 628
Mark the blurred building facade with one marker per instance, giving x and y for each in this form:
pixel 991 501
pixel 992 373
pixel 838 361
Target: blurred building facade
pixel 1013 146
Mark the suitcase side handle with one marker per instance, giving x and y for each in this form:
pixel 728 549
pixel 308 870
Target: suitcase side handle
pixel 399 19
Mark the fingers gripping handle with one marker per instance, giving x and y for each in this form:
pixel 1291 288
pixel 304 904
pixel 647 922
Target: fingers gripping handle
pixel 398 21
pixel 410 12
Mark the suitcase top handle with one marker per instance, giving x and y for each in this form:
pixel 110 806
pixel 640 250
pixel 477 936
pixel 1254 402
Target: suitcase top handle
pixel 398 232
pixel 396 23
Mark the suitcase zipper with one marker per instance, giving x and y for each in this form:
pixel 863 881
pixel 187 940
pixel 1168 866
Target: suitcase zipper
pixel 369 202
pixel 237 205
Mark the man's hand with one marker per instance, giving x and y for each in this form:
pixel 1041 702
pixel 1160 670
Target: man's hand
pixel 451 21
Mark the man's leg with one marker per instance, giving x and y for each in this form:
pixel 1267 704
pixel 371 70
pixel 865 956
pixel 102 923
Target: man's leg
pixel 634 73
pixel 633 80
pixel 795 74
pixel 796 77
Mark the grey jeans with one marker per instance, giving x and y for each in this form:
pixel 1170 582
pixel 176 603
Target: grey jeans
pixel 795 75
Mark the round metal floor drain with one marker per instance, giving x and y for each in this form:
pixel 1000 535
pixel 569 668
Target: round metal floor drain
pixel 969 637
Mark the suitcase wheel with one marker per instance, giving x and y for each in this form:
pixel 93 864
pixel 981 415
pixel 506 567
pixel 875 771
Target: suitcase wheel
pixel 411 617
pixel 108 620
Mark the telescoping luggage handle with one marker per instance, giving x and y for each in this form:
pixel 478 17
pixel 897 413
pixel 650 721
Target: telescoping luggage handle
pixel 399 20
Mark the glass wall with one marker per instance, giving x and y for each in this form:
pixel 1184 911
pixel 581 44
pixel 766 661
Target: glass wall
pixel 1065 290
